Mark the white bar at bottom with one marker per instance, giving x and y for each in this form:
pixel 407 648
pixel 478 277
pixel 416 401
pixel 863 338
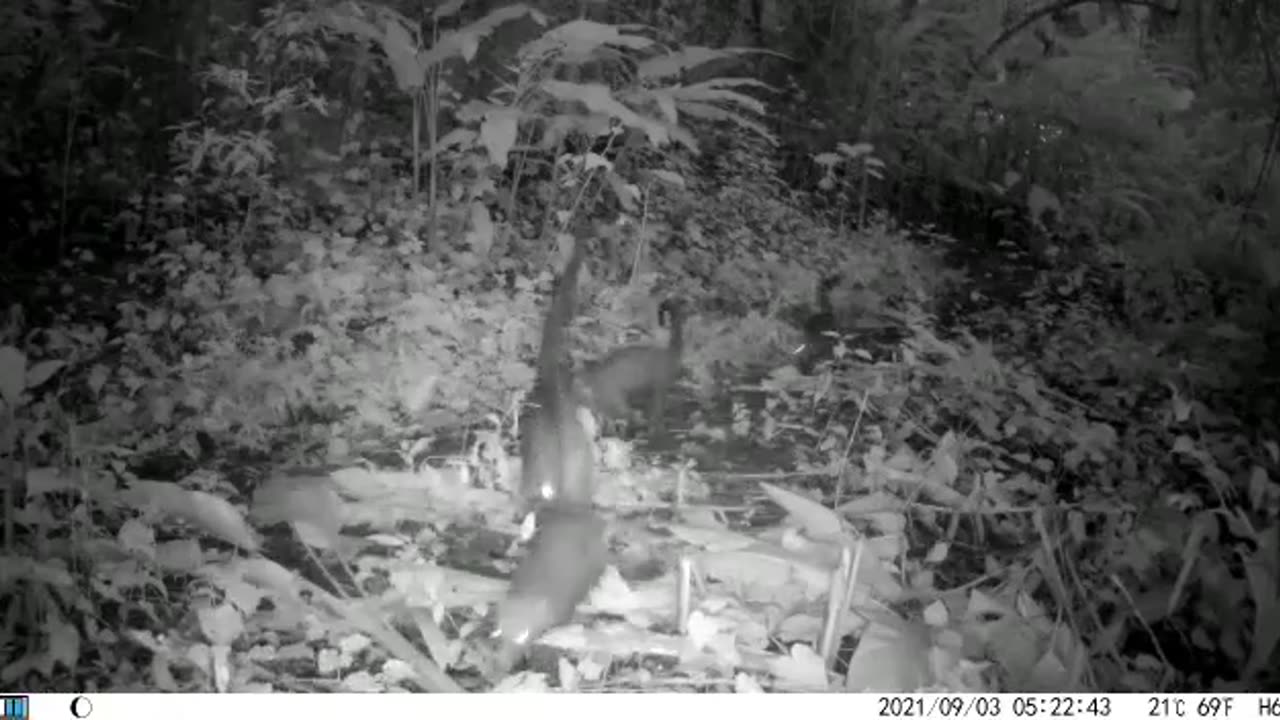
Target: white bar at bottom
pixel 669 706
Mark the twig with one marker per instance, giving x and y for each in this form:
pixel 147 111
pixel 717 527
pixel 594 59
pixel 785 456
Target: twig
pixel 848 446
pixel 780 475
pixel 1137 612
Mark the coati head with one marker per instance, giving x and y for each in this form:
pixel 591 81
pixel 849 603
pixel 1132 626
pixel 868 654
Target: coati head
pixel 822 297
pixel 671 314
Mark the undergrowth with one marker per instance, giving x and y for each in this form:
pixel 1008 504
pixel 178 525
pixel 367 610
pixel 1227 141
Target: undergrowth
pixel 268 444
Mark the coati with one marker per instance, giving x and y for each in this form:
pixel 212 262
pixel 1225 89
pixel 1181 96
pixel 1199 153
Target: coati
pixel 817 344
pixel 566 558
pixel 555 450
pixel 611 384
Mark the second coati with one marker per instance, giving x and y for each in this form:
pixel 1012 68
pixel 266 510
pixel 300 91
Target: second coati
pixel 611 384
pixel 817 343
pixel 556 452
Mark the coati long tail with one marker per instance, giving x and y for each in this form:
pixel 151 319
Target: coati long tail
pixel 555 449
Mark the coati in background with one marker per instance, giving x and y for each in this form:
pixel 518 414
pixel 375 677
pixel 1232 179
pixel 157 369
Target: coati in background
pixel 817 344
pixel 610 385
pixel 555 450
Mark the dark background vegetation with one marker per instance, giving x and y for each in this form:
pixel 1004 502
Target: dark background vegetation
pixel 247 236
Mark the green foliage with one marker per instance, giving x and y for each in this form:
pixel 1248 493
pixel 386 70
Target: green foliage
pixel 1143 537
pixel 1100 109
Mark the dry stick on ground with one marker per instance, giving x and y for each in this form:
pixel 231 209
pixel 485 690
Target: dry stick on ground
pixel 848 446
pixel 1155 641
pixel 1057 581
pixel 1097 621
pixel 725 475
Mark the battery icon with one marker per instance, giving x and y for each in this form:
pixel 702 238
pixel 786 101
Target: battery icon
pixel 14 707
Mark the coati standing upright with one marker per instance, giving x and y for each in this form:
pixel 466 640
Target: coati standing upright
pixel 817 343
pixel 555 450
pixel 611 384
pixel 567 553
